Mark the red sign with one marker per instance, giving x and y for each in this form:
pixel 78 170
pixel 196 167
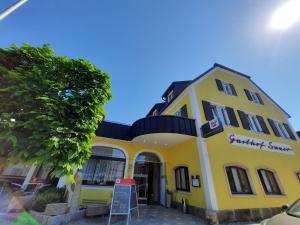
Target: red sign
pixel 213 123
pixel 126 181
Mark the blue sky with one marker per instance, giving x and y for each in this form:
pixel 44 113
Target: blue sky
pixel 147 44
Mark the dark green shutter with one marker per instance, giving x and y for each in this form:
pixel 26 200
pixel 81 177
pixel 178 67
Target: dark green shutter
pixel 232 117
pixel 233 89
pixel 274 128
pixel 288 129
pixel 207 110
pixel 263 124
pixel 219 85
pixel 248 95
pixel 244 120
pixel 184 111
pixel 259 98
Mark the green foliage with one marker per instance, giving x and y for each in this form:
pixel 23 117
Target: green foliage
pixel 52 195
pixel 50 107
pixel 24 219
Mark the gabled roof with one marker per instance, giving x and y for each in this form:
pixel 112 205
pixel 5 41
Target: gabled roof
pixel 157 106
pixel 185 84
pixel 176 85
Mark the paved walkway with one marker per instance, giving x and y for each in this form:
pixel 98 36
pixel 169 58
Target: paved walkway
pixel 151 215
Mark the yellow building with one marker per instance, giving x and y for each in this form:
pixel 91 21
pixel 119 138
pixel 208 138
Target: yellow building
pixel 218 142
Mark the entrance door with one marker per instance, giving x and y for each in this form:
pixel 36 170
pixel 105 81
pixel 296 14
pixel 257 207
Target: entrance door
pixel 147 175
pixel 141 177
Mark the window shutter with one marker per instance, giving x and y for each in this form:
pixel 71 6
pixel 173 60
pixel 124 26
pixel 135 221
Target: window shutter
pixel 184 111
pixel 232 117
pixel 244 120
pixel 248 95
pixel 219 84
pixel 274 128
pixel 207 110
pixel 263 124
pixel 288 129
pixel 233 89
pixel 259 98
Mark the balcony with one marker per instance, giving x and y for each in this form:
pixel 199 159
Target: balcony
pixel 163 131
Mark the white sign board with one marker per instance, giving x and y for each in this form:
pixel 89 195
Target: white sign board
pixel 263 145
pixel 213 124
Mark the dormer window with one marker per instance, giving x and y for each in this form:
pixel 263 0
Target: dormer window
pixel 155 113
pixel 170 96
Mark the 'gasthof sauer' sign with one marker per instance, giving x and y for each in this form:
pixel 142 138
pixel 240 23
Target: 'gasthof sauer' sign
pixel 264 145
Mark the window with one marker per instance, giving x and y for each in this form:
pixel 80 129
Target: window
pixel 182 112
pixel 269 182
pixel 155 113
pixel 253 96
pixel 226 87
pixel 238 180
pixel 182 179
pixel 170 96
pixel 220 113
pixel 178 113
pixel 253 123
pixel 104 167
pixel 281 129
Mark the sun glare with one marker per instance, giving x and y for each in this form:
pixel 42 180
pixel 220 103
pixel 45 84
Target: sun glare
pixel 287 15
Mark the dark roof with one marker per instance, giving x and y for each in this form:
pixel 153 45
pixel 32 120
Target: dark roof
pixel 157 106
pixel 114 130
pixel 217 65
pixel 178 85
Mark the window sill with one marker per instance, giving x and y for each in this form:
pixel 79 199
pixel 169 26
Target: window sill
pixel 242 195
pixel 256 103
pixel 275 195
pixel 228 94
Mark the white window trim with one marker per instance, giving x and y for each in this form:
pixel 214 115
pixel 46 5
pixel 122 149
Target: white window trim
pixel 170 96
pixel 277 180
pixel 254 124
pixel 178 113
pixel 155 112
pixel 174 179
pixel 249 178
pixel 219 107
pixel 254 97
pixel 226 88
pixel 277 123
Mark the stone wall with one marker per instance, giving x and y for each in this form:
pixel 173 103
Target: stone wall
pixel 235 215
pixel 57 220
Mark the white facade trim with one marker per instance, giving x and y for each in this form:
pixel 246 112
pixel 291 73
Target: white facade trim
pixel 208 183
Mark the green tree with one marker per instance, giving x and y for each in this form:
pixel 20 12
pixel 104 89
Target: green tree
pixel 50 107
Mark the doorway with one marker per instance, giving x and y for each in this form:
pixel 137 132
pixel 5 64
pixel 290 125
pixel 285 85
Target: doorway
pixel 147 173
